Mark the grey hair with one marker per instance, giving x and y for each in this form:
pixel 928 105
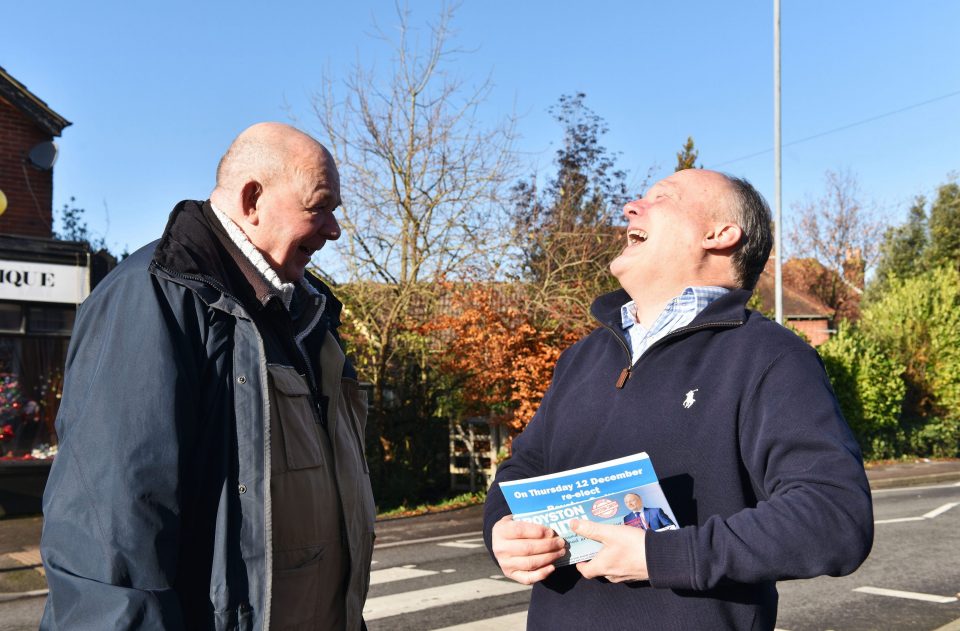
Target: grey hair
pixel 752 213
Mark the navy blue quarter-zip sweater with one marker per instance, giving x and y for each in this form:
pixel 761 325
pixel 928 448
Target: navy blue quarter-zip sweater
pixel 760 468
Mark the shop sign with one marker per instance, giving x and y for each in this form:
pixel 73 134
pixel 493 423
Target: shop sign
pixel 43 282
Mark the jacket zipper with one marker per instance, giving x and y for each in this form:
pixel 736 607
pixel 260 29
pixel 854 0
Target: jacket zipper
pixel 318 403
pixel 626 372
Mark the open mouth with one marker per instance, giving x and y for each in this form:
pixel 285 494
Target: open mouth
pixel 636 236
pixel 306 251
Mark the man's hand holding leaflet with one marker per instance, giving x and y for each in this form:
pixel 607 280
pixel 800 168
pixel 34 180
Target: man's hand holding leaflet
pixel 526 552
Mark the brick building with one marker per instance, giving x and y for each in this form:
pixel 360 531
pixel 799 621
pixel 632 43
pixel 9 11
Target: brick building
pixel 803 311
pixel 25 122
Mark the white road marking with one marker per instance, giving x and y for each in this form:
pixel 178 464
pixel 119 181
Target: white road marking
pixel 940 511
pixel 934 513
pixel 418 600
pixel 410 542
pixel 392 574
pixel 464 543
pixel 512 622
pixel 897 520
pixel 896 593
pixel 448 571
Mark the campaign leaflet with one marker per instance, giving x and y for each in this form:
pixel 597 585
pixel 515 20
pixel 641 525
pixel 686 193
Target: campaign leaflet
pixel 624 491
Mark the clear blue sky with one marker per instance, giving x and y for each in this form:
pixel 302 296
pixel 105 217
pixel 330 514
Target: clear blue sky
pixel 156 91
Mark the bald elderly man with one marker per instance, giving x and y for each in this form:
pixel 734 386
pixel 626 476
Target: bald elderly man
pixel 211 472
pixel 736 413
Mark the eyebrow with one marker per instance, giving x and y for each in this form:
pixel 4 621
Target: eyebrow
pixel 325 197
pixel 669 187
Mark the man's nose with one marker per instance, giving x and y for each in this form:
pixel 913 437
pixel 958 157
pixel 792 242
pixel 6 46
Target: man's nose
pixel 635 207
pixel 330 228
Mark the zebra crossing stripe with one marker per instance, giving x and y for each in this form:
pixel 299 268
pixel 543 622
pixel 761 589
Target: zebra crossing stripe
pixel 392 574
pixel 410 542
pixel 463 543
pixel 418 600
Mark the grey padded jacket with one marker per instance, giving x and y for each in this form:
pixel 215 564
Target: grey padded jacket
pixel 157 510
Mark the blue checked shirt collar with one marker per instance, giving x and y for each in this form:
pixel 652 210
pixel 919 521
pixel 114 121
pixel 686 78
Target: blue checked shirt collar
pixel 679 312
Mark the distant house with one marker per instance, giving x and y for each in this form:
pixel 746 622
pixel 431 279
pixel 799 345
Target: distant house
pixel 801 310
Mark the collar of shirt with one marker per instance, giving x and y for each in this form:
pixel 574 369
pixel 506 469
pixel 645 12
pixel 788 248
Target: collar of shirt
pixel 286 290
pixel 679 312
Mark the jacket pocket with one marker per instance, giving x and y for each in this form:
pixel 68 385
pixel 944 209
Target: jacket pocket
pixel 295 594
pixel 293 406
pixel 308 588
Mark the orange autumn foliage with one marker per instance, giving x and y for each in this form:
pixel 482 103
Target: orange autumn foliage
pixel 504 362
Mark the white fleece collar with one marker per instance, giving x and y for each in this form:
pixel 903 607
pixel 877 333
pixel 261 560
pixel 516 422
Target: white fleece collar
pixel 256 258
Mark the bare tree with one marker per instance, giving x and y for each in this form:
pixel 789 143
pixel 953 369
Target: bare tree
pixel 841 234
pixel 422 183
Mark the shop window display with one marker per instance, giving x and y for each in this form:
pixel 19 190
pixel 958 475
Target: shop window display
pixel 31 382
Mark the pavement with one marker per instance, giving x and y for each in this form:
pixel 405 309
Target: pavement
pixel 916 473
pixel 21 572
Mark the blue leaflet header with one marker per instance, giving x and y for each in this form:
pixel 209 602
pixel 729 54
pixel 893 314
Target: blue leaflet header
pixel 578 485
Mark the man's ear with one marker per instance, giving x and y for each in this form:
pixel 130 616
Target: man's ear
pixel 722 236
pixel 249 201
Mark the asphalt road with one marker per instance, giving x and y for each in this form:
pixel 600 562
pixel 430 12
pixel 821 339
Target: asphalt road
pixel 434 574
pixel 916 555
pixel 911 553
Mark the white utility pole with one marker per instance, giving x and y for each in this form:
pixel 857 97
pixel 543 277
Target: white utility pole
pixel 778 221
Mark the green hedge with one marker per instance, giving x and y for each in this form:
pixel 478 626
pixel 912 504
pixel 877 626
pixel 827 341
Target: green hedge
pixel 897 373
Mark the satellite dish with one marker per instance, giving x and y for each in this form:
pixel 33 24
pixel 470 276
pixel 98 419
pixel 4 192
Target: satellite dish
pixel 43 155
